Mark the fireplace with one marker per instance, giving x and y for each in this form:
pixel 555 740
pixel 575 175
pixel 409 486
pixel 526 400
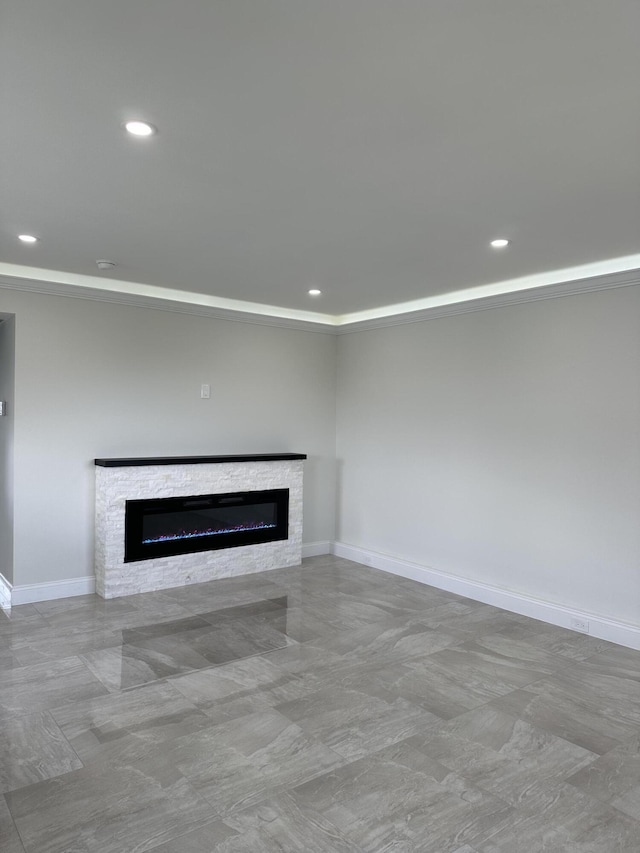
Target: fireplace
pixel 152 498
pixel 164 527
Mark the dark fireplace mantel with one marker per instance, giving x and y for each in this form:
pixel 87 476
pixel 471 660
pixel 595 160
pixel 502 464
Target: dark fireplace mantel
pixel 139 461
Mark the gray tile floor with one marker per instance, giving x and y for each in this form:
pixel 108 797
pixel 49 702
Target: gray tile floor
pixel 324 708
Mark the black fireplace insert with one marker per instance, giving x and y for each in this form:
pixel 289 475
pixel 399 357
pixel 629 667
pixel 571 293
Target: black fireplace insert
pixel 164 527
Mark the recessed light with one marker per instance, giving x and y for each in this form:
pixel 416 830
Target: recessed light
pixel 27 238
pixel 140 128
pixel 499 243
pixel 315 292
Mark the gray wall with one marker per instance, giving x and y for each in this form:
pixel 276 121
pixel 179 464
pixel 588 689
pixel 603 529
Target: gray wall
pixel 508 439
pixel 98 379
pixel 501 447
pixel 7 344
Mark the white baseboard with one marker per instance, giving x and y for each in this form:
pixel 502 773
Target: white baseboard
pixel 316 549
pixel 5 592
pixel 29 593
pixel 599 626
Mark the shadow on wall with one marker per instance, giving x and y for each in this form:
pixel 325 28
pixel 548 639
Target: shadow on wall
pixel 7 382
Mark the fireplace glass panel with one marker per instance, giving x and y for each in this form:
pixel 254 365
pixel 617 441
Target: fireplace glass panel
pixel 169 526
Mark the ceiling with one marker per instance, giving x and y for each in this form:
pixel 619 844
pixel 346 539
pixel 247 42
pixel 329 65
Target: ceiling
pixel 370 149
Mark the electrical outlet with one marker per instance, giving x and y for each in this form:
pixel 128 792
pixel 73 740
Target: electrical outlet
pixel 581 625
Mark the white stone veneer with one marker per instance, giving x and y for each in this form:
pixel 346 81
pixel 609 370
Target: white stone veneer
pixel 114 486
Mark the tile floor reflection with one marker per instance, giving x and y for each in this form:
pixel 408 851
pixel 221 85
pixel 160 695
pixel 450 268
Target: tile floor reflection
pixel 329 707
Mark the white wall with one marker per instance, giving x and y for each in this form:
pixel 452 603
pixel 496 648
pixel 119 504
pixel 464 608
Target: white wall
pixel 95 379
pixel 501 447
pixel 7 339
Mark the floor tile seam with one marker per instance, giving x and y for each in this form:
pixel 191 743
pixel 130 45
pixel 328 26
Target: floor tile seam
pixel 340 833
pixel 269 789
pixel 626 679
pixel 608 772
pixel 118 766
pixel 162 680
pixel 83 766
pixel 454 645
pixel 628 742
pixel 116 691
pixel 481 836
pixel 164 843
pixel 501 805
pixel 374 753
pixel 306 726
pixel 568 661
pixel 374 756
pixel 609 801
pixel 154 631
pixel 68 742
pixel 533 682
pixel 550 785
pixel 13 822
pixel 32 644
pixel 525 686
pixel 597 802
pixel 388 709
pixel 200 796
pixel 165 679
pixel 494 676
pixel 529 643
pixel 585 792
pixel 11 712
pixel 52 663
pixel 23 655
pixel 124 690
pixel 478 786
pixel 86 624
pixel 226 621
pixel 341 761
pixel 624 814
pixel 310 737
pixel 178 694
pixel 373 664
pixel 168 679
pixel 147 647
pixel 550 776
pixel 490 704
pixel 270 604
pixel 582 695
pixel 485 837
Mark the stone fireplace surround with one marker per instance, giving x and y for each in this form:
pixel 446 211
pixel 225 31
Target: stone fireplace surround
pixel 119 480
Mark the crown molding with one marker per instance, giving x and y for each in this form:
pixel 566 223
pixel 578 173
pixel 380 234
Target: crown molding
pixel 307 320
pixel 448 305
pixel 502 300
